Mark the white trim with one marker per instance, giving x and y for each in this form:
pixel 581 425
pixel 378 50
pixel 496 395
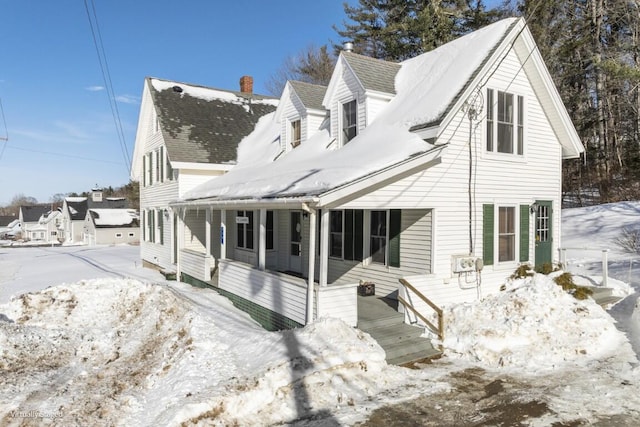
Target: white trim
pixel 203 166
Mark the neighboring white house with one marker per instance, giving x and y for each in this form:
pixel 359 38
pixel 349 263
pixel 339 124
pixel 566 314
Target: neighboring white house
pixel 111 227
pixel 74 212
pixel 30 219
pixel 186 135
pixel 48 229
pixel 444 170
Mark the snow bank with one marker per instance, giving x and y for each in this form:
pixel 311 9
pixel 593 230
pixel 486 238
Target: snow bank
pixel 122 352
pixel 534 325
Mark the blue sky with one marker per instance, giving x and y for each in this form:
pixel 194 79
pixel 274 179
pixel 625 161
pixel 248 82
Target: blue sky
pixel 62 136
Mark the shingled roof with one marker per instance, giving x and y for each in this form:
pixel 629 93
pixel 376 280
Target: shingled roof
pixel 33 213
pixel 205 125
pixel 311 95
pixel 374 74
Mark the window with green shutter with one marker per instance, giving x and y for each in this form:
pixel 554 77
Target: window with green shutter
pixel 488 216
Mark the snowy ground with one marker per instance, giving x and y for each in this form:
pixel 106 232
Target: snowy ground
pixel 112 343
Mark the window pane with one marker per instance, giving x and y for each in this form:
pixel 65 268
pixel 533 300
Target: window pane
pixel 249 230
pixel 378 241
pixel 335 236
pixel 269 239
pixel 505 138
pixel 506 233
pixel 349 120
pixel 296 133
pixel 505 122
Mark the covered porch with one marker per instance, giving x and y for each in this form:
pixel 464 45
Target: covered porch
pixel 297 263
pixel 264 259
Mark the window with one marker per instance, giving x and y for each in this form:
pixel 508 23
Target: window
pixel 378 237
pixel 149 170
pixel 270 234
pixel 335 234
pixel 132 234
pixel 296 133
pixel 244 229
pixel 349 121
pixel 506 234
pixel 118 235
pixel 158 169
pixel 505 122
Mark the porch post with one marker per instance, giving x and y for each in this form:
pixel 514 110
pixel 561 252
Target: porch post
pixel 262 240
pixel 324 246
pixel 223 234
pixel 207 230
pixel 180 231
pixel 312 264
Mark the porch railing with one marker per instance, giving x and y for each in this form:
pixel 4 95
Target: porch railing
pixel 605 259
pixel 439 329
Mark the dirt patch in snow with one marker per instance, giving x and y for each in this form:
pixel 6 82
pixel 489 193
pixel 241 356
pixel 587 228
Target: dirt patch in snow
pixel 479 398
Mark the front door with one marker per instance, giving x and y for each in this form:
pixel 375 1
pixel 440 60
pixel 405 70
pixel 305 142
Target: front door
pixel 295 242
pixel 544 232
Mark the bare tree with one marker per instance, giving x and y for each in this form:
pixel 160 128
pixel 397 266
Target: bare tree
pixel 311 65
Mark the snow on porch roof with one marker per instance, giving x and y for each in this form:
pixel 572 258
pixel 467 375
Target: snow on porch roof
pixel 425 86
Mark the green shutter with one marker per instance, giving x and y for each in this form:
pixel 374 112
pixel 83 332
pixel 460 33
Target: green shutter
pixel 144 171
pixel 488 217
pixel 524 233
pixel 348 235
pixel 395 216
pixel 161 163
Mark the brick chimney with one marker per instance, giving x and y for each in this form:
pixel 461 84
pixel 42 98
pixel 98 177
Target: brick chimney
pixel 246 84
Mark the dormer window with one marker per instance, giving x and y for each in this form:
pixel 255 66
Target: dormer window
pixel 296 133
pixel 349 121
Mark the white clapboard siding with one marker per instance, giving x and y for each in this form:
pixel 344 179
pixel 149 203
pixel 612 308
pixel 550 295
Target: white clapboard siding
pixel 338 301
pixel 195 230
pixel 286 295
pixel 196 264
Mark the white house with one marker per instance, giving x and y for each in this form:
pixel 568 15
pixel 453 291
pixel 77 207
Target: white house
pixel 186 135
pixel 30 219
pixel 74 212
pixel 443 170
pixel 104 226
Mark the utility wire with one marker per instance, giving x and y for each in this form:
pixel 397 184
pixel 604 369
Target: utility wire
pixel 50 153
pixel 5 138
pixel 106 77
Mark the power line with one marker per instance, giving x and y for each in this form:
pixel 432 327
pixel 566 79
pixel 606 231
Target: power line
pixel 50 153
pixel 6 138
pixel 106 77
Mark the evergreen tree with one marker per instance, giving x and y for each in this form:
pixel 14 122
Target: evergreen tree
pixel 395 30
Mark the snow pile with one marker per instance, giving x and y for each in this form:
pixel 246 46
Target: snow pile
pixel 121 352
pixel 113 217
pixel 535 325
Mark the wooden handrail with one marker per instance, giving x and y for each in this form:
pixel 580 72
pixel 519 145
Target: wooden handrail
pixel 438 310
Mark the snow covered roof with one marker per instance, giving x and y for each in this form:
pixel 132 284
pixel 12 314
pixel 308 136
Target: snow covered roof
pixel 425 87
pixel 205 125
pixel 114 217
